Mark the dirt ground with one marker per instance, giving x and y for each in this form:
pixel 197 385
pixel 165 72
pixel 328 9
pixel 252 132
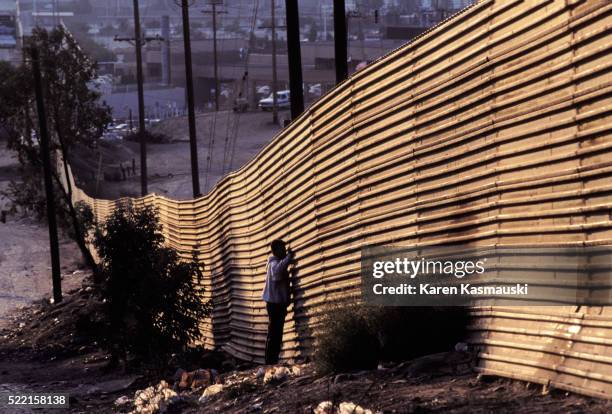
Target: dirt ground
pixel 169 164
pixel 391 391
pixel 25 262
pixel 42 352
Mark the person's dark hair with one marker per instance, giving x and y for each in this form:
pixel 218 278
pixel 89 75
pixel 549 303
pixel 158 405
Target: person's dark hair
pixel 277 245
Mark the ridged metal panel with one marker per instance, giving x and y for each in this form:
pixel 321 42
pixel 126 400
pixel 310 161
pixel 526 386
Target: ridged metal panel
pixel 493 128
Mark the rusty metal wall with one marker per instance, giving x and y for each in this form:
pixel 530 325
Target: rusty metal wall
pixel 493 128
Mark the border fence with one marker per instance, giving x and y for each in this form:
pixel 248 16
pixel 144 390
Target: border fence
pixel 492 128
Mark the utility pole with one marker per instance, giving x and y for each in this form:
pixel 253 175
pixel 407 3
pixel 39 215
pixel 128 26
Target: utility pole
pixel 295 58
pixel 340 41
pixel 141 117
pixel 274 73
pixel 166 52
pixel 139 40
pixel 55 13
pixel 195 175
pixel 323 11
pixel 273 26
pixel 216 62
pixel 214 12
pixel 56 276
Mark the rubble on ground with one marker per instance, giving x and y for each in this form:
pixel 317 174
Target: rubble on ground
pixel 154 400
pixel 327 407
pixel 210 391
pixel 198 379
pixel 443 382
pixel 280 374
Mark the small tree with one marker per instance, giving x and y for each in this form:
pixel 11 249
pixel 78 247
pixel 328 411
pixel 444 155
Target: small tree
pixel 74 116
pixel 155 302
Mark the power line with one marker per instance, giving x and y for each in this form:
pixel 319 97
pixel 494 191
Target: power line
pixel 214 12
pixel 231 145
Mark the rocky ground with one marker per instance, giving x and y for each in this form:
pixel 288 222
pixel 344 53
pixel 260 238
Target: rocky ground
pixel 52 348
pixel 442 383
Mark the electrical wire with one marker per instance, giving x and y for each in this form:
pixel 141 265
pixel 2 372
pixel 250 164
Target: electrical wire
pixel 234 139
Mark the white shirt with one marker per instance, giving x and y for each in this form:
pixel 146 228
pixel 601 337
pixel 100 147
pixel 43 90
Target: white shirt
pixel 276 289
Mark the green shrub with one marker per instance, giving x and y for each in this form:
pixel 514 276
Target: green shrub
pixel 357 336
pixel 346 340
pixel 154 299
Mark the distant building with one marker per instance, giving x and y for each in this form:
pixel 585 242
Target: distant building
pixel 10 31
pixel 449 5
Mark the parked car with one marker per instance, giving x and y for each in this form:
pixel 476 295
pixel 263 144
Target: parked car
pixel 315 89
pixel 263 90
pixel 282 101
pixel 120 128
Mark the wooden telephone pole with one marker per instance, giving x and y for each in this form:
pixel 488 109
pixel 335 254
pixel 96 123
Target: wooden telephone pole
pixel 138 41
pixel 46 160
pixel 340 41
pixel 295 58
pixel 274 73
pixel 193 146
pixel 273 26
pixel 141 117
pixel 214 12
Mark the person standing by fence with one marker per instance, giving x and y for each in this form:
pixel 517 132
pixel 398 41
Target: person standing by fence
pixel 276 294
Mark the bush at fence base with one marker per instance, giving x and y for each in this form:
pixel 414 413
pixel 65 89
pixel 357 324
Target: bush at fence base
pixel 357 336
pixel 154 299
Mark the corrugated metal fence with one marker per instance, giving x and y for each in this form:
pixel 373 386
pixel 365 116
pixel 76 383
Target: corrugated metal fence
pixel 493 128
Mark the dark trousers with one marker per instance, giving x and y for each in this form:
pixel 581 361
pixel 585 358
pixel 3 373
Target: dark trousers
pixel 276 321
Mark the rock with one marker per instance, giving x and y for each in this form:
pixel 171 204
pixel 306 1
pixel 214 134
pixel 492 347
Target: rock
pixel 260 373
pixel 210 391
pixel 352 408
pixel 326 407
pixel 124 399
pixel 202 378
pixel 154 400
pixel 276 374
pixel 199 378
